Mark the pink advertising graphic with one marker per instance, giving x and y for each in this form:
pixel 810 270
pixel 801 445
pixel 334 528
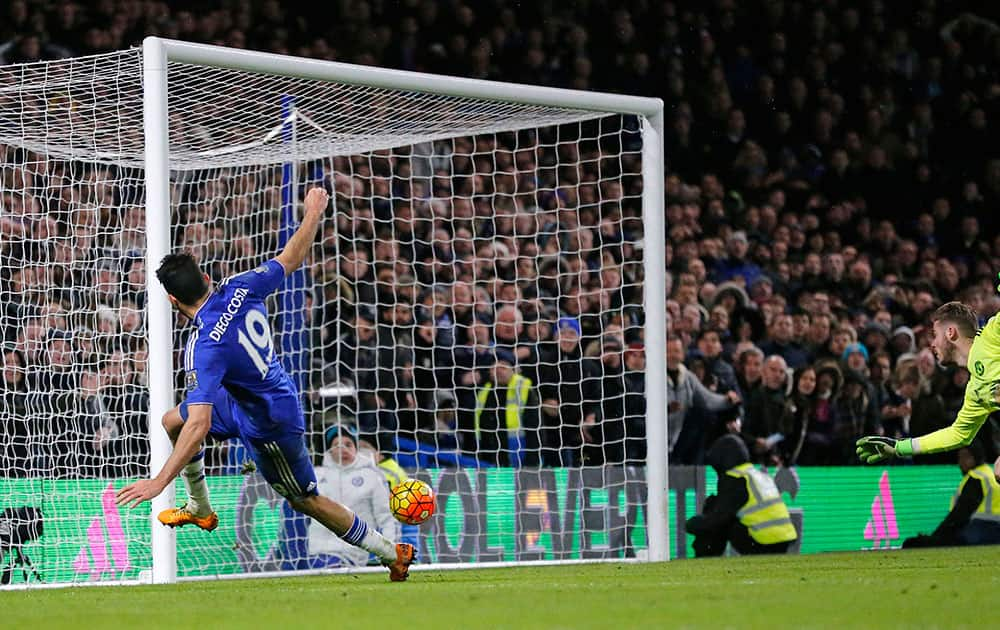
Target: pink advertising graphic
pixel 93 557
pixel 882 529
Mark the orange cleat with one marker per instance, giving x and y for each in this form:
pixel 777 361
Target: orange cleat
pixel 179 517
pixel 400 569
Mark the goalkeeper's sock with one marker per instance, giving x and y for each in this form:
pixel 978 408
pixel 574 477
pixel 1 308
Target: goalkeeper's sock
pixel 360 534
pixel 197 490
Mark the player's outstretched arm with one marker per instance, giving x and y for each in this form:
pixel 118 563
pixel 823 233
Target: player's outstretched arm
pixel 297 248
pixel 874 449
pixel 188 443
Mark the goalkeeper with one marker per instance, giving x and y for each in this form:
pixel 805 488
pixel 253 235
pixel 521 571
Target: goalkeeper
pixel 956 342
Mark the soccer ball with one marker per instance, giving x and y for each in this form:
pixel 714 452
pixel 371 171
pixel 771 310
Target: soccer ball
pixel 412 502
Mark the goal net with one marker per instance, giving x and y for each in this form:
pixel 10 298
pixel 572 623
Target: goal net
pixel 472 309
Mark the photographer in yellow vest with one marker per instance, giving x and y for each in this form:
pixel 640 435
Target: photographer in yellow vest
pixel 974 518
pixel 747 510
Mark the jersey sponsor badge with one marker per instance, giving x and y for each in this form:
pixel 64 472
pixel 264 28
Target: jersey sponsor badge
pixel 191 380
pixel 979 368
pixel 260 269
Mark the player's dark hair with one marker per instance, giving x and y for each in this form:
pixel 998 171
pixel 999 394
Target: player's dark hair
pixel 181 277
pixel 962 316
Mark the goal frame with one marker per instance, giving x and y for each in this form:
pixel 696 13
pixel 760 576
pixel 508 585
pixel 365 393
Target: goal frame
pixel 158 52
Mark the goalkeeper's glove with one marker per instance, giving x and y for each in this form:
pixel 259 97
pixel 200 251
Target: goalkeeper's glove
pixel 873 448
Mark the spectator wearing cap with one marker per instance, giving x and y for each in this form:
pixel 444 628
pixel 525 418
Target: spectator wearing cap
pixel 736 265
pixel 353 480
pixel 503 428
pixel 567 417
pixel 904 341
pixel 855 358
pixel 732 297
pixel 690 406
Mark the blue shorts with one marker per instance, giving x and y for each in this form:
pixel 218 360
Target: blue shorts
pixel 284 461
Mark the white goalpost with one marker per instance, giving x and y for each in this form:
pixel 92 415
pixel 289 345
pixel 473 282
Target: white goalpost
pixel 472 223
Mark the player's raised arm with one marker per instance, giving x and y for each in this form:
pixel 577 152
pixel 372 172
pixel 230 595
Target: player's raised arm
pixel 873 449
pixel 297 248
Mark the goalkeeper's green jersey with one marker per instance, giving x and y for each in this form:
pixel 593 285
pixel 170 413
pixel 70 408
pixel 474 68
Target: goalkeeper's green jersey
pixel 982 394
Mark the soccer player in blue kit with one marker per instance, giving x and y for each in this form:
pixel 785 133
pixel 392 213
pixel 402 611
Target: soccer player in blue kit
pixel 236 388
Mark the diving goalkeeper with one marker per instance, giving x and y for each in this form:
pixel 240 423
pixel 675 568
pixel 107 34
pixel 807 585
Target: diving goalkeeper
pixel 956 342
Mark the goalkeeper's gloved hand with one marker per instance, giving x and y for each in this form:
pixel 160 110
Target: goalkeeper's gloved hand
pixel 873 448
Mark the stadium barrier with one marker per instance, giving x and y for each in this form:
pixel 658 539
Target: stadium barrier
pixel 489 515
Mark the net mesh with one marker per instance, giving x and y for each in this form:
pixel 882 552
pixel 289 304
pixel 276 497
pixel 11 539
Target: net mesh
pixel 472 307
pixel 91 109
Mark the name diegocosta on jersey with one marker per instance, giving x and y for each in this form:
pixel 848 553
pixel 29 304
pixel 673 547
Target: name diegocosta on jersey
pixel 232 348
pixel 227 315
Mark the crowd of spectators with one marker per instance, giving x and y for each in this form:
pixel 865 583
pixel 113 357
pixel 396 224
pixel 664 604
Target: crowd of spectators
pixel 830 169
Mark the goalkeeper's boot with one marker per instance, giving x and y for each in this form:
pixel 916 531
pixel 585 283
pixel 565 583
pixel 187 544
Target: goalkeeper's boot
pixel 179 517
pixel 400 569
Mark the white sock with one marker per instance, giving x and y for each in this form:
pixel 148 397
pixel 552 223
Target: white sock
pixel 360 534
pixel 197 489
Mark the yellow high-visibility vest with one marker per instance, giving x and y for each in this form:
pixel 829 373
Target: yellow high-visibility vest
pixel 517 398
pixel 764 514
pixel 989 507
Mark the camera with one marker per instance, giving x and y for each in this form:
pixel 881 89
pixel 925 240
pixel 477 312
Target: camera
pixel 18 527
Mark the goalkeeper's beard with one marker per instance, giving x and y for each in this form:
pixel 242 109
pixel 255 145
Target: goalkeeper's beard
pixel 947 357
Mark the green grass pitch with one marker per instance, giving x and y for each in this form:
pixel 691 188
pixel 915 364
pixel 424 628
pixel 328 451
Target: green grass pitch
pixel 949 588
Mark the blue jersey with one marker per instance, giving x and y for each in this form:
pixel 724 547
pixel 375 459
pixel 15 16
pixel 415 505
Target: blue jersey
pixel 231 348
